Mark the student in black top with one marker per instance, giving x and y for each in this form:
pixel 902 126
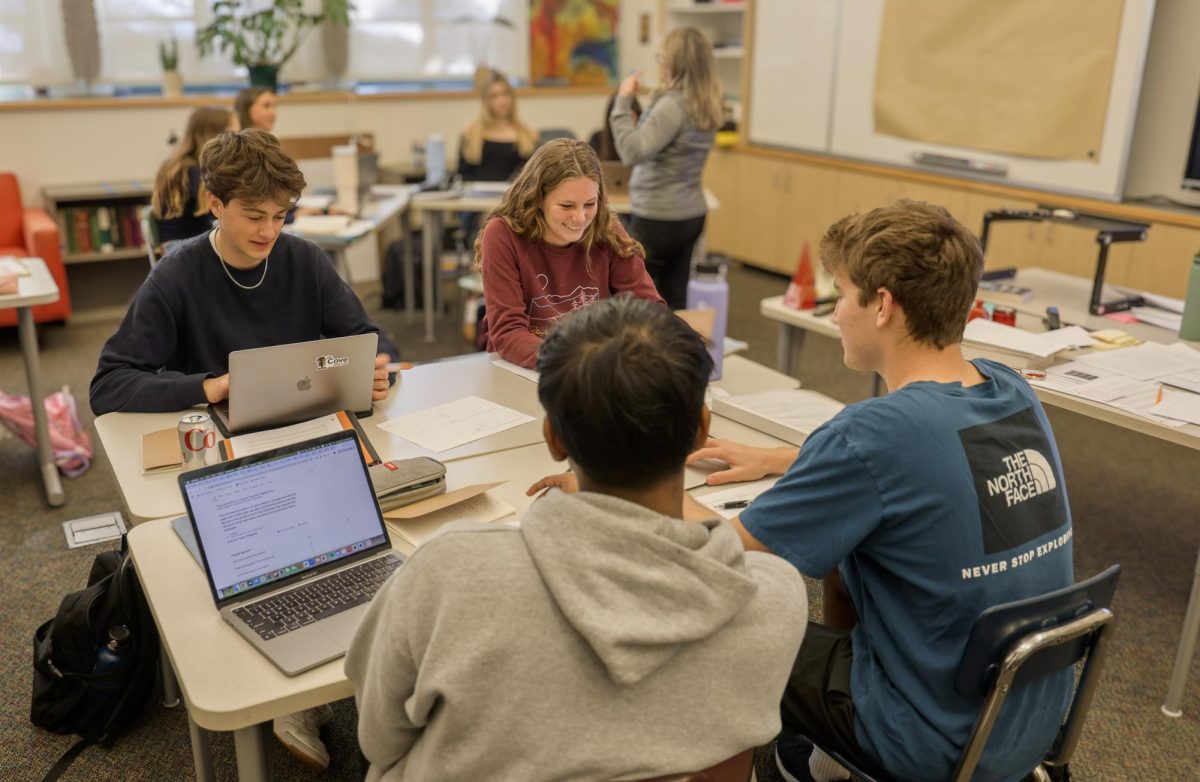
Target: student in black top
pixel 495 146
pixel 180 202
pixel 243 285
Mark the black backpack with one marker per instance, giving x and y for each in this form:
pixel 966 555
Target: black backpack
pixel 67 696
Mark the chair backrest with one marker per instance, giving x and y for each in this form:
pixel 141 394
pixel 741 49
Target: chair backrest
pixel 1022 641
pixel 149 225
pixel 549 134
pixel 734 769
pixel 11 211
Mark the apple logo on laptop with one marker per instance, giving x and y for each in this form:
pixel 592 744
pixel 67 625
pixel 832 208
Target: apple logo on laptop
pixel 304 384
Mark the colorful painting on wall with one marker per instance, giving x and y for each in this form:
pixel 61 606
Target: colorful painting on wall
pixel 573 41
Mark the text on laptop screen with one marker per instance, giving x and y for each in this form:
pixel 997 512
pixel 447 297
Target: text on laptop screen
pixel 268 520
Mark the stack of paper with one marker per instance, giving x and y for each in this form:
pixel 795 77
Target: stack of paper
pixel 790 415
pixel 1019 348
pixel 1135 380
pixel 320 224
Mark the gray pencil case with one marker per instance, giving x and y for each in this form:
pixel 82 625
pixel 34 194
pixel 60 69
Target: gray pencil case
pixel 406 481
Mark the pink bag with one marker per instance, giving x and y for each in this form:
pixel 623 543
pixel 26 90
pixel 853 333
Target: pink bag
pixel 71 445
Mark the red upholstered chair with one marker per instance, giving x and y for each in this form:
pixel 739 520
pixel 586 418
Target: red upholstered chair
pixel 25 232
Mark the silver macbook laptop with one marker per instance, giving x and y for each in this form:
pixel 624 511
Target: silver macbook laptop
pixel 294 546
pixel 284 384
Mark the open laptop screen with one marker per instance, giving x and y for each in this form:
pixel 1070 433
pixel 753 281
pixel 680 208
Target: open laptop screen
pixel 265 518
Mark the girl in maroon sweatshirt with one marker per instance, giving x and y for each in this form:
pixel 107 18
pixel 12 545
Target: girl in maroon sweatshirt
pixel 553 246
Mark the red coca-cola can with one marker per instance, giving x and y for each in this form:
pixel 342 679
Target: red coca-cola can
pixel 1005 315
pixel 197 438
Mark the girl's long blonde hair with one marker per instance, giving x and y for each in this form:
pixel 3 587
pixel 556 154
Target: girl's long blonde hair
pixel 472 150
pixel 552 164
pixel 688 55
pixel 171 185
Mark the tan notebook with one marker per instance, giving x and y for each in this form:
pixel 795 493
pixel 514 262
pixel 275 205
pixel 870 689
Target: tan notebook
pixel 160 451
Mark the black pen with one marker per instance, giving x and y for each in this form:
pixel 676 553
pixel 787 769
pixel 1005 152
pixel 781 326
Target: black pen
pixel 734 504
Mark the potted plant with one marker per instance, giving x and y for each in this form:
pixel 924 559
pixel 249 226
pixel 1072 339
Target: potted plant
pixel 264 34
pixel 168 55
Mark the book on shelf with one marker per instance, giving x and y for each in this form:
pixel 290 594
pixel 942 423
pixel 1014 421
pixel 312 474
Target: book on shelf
pixel 1004 292
pixel 83 230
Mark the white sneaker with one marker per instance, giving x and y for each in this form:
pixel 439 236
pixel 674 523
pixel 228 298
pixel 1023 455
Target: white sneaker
pixel 300 733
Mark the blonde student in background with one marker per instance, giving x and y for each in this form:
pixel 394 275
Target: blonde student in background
pixel 256 108
pixel 180 200
pixel 667 148
pixel 495 146
pixel 553 246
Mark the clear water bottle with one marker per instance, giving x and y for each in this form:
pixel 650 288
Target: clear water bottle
pixel 708 290
pixel 113 662
pixel 435 159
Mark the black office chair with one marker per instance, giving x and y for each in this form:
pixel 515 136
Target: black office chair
pixel 1019 642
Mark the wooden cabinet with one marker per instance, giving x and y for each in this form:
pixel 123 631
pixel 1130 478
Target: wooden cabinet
pixel 772 202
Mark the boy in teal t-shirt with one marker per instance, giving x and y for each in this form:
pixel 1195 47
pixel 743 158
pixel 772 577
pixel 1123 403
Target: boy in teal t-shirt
pixel 924 507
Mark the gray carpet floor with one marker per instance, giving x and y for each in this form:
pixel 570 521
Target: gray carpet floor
pixel 1134 501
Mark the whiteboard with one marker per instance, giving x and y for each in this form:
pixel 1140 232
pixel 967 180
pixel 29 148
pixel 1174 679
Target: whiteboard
pixel 853 133
pixel 793 80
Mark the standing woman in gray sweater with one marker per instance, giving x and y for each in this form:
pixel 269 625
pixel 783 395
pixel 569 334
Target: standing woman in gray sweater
pixel 667 148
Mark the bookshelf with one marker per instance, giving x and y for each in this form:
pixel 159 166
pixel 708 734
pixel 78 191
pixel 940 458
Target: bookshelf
pixel 723 22
pixel 103 249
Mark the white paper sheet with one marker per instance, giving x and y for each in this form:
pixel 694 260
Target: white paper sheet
pixel 737 493
pixel 508 366
pixel 1148 361
pixel 793 408
pixel 1179 406
pixel 1171 321
pixel 269 439
pixel 1189 381
pixel 456 423
pixel 481 508
pixel 988 332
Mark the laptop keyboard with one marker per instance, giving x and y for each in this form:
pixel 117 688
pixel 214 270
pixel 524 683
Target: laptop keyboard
pixel 324 597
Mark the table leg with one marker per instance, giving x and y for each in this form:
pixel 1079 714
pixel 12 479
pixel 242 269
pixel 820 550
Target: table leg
pixel 431 244
pixel 253 756
pixel 791 339
pixel 201 752
pixel 170 684
pixel 1186 650
pixel 410 282
pixel 45 456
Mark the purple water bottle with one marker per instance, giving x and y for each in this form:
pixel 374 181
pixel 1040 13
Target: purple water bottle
pixel 708 290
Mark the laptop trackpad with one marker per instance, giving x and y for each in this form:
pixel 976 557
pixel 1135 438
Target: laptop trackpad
pixel 341 626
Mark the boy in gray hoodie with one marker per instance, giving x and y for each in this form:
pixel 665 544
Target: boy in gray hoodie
pixel 605 638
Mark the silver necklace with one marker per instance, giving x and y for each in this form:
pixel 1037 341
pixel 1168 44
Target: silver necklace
pixel 266 264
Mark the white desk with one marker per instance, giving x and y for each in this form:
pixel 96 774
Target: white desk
pixel 249 691
pixel 385 204
pixel 36 288
pixel 433 210
pixel 157 495
pixel 1071 296
pixel 226 684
